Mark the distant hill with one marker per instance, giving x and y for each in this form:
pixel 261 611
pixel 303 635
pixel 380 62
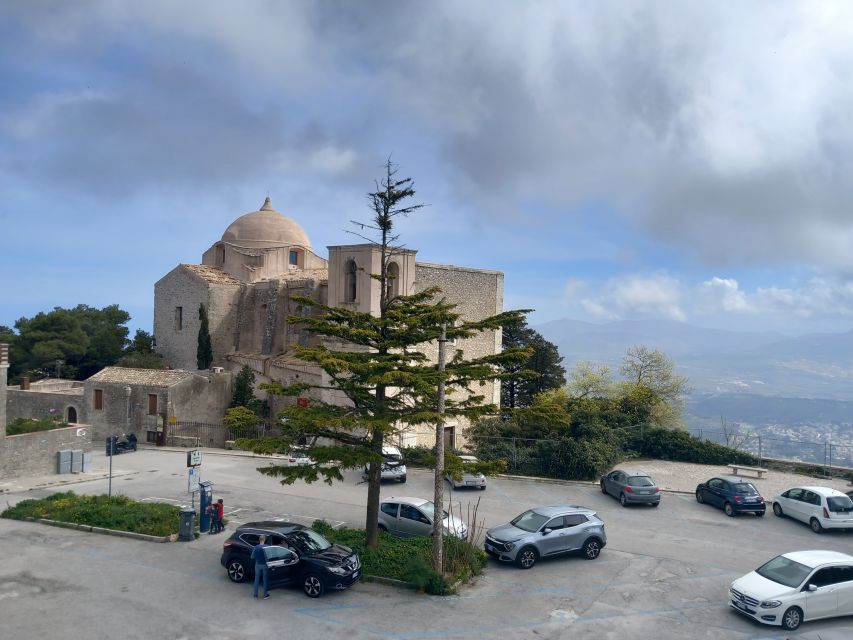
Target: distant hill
pixel 718 361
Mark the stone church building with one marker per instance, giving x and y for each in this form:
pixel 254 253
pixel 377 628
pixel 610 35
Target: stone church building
pixel 247 279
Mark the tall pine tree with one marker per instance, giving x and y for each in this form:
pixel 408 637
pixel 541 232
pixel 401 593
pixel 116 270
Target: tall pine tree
pixel 204 353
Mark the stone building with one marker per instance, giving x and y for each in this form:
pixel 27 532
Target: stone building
pixel 247 280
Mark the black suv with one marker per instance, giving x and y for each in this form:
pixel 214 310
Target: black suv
pixel 296 555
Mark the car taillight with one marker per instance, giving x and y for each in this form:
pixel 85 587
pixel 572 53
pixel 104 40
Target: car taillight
pixel 628 489
pixel 737 498
pixel 227 543
pixel 825 513
pixel 657 489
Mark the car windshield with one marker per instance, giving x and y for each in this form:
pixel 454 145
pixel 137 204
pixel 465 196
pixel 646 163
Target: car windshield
pixel 308 540
pixel 529 521
pixel 745 488
pixel 429 509
pixel 839 503
pixel 784 571
pixel 640 481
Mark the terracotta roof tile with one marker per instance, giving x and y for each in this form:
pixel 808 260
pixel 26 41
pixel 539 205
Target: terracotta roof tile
pixel 213 275
pixel 150 377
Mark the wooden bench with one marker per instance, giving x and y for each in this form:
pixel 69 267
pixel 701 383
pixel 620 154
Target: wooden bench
pixel 737 469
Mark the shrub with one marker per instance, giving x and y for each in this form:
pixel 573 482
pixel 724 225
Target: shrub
pixel 669 444
pixel 32 425
pixel 410 559
pixel 118 512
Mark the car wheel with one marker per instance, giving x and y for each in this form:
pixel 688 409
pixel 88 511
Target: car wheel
pixel 527 557
pixel 312 585
pixel 728 509
pixel 656 504
pixel 402 479
pixel 622 500
pixel 591 549
pixel 483 488
pixel 777 509
pixel 603 490
pixel 760 514
pixel 699 497
pixel 382 527
pixel 792 618
pixel 236 570
pixel 815 525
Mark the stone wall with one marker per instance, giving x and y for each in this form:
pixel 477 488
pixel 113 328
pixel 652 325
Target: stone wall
pixel 34 454
pixel 202 398
pixel 4 378
pixel 35 403
pixel 179 345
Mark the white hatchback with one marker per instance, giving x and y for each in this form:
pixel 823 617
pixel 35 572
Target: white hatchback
pixel 795 587
pixel 470 477
pixel 819 507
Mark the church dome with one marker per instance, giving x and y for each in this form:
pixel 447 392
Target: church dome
pixel 266 227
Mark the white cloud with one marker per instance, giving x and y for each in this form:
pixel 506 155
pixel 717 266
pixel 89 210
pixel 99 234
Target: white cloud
pixel 723 294
pixel 630 296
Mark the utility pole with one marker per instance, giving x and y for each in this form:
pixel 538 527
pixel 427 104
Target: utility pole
pixel 438 499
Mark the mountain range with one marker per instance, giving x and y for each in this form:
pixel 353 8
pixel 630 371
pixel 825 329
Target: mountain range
pixel 719 362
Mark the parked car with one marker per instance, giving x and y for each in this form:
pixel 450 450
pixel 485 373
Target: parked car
pixel 414 517
pixel 819 507
pixel 733 493
pixel 631 486
pixel 796 587
pixel 392 467
pixel 470 478
pixel 297 555
pixel 297 457
pixel 547 531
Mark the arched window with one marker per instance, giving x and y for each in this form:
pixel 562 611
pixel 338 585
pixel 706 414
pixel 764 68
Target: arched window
pixel 392 279
pixel 350 288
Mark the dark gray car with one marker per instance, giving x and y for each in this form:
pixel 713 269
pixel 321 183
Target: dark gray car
pixel 547 531
pixel 631 486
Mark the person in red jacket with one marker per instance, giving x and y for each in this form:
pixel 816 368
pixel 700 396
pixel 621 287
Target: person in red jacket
pixel 219 512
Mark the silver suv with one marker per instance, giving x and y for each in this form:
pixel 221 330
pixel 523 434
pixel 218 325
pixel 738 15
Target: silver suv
pixel 547 531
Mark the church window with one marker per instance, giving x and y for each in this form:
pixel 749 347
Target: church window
pixel 350 288
pixel 179 318
pixel 293 257
pixel 392 279
pixel 98 400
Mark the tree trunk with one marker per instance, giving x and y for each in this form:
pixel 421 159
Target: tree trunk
pixel 374 478
pixel 438 497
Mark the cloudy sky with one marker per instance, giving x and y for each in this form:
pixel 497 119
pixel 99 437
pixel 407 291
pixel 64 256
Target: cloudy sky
pixel 688 161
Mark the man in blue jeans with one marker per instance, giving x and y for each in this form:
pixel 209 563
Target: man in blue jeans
pixel 260 558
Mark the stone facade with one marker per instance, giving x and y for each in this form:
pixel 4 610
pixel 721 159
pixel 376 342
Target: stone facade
pixel 34 454
pixel 249 278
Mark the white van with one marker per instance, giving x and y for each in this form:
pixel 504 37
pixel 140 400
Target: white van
pixel 393 467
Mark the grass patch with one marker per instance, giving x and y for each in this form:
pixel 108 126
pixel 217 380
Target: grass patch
pixel 119 513
pixel 410 559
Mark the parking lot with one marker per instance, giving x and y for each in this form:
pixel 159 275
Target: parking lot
pixel 664 573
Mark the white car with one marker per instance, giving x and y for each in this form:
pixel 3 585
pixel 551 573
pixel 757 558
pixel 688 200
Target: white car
pixel 297 457
pixel 392 467
pixel 795 587
pixel 819 507
pixel 414 516
pixel 469 478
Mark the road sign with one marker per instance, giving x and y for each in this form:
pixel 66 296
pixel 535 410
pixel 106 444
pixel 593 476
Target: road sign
pixel 194 458
pixel 193 478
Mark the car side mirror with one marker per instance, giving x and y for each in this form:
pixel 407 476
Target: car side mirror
pixel 812 587
pixel 545 532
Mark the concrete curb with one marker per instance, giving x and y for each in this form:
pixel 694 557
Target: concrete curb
pixel 109 532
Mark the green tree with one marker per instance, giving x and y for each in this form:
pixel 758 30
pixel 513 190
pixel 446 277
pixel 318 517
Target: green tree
pixel 240 421
pixel 107 337
pixel 244 388
pixel 204 352
pixel 383 370
pixel 141 360
pixel 143 342
pixel 542 371
pixel 48 339
pixel 652 386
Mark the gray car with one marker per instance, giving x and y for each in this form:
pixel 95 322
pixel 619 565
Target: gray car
pixel 631 486
pixel 547 531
